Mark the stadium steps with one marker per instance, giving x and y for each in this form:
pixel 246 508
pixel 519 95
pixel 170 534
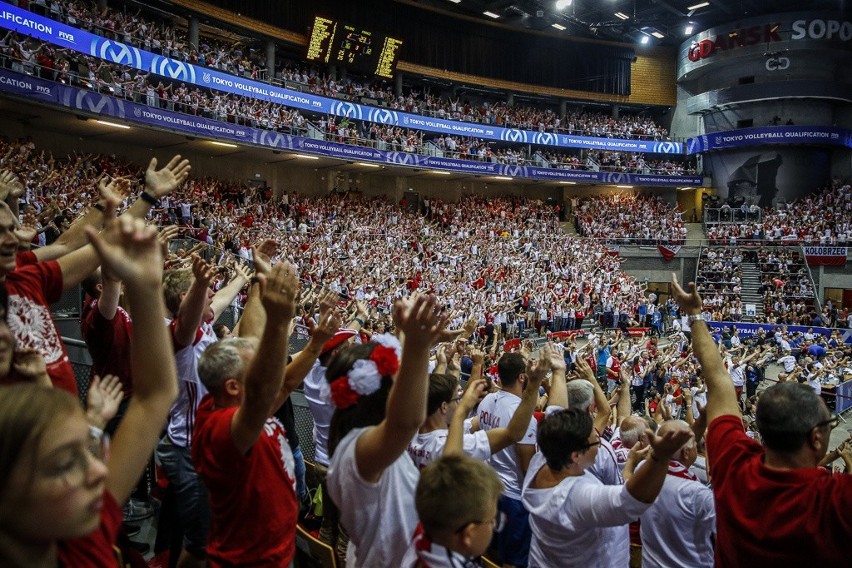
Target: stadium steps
pixel 750 290
pixel 568 228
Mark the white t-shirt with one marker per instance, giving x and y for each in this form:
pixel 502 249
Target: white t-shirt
pixel 316 389
pixel 495 411
pixel 677 528
pixel 738 375
pixel 380 517
pixel 581 522
pixel 606 467
pixel 789 363
pixel 191 389
pixel 426 448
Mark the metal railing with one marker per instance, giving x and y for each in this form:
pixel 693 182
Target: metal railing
pixel 729 215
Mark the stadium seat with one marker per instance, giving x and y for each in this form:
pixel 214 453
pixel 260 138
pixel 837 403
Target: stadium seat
pixel 311 552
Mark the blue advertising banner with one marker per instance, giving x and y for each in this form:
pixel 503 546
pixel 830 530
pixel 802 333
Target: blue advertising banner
pixel 746 330
pixel 27 23
pixel 106 105
pixel 825 135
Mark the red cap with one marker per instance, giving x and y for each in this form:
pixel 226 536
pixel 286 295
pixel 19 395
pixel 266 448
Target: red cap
pixel 338 339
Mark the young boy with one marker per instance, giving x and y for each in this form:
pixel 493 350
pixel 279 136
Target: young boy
pixel 456 501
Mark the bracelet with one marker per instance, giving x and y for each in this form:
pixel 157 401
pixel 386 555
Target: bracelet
pixel 359 321
pixel 254 280
pixel 150 199
pixel 100 207
pixel 692 318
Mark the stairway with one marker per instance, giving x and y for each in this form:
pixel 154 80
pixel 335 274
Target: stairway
pixel 750 286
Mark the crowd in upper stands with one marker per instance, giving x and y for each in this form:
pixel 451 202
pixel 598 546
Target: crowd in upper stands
pixel 823 218
pixel 629 218
pixel 240 58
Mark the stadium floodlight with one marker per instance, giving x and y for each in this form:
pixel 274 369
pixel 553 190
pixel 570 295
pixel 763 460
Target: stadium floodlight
pixel 504 178
pixel 113 124
pixel 562 4
pixel 491 15
pixel 645 39
pixel 559 27
pixel 225 144
pixel 306 157
pixel 624 186
pixel 456 1
pixel 688 29
pixel 697 6
pixel 368 165
pixel 622 16
pixel 657 35
pixel 440 172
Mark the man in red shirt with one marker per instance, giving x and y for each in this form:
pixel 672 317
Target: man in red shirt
pixel 239 449
pixel 774 506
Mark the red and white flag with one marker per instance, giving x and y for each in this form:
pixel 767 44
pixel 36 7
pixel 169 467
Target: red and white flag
pixel 668 251
pixel 613 250
pixel 826 256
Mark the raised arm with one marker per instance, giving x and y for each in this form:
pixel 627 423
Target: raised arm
pixel 192 306
pixel 721 396
pixel 601 403
pixel 226 295
pixel 455 435
pixel 379 447
pixel 137 260
pixel 265 375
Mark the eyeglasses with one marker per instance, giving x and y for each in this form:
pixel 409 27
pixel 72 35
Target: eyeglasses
pixel 498 523
pixel 73 468
pixel 832 422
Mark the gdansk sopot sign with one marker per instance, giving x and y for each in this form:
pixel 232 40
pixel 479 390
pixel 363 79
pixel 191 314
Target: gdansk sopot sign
pixel 816 29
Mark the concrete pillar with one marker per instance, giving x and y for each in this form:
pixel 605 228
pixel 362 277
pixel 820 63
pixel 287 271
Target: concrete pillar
pixel 270 60
pixel 615 111
pixel 510 99
pixel 193 32
pixel 563 107
pixel 332 72
pixel 342 74
pixel 397 84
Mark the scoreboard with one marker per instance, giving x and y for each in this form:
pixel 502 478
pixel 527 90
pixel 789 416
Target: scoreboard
pixel 339 43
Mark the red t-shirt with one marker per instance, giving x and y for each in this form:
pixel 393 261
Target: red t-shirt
pixel 252 497
pixel 109 344
pixel 767 517
pixel 25 257
pixel 98 549
pixel 31 289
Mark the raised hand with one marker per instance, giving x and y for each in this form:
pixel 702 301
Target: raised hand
pixel 584 371
pixel 113 191
pixel 132 252
pixel 536 370
pixel 279 290
pixel 420 320
pixel 262 264
pixel 165 236
pixel 327 301
pixel 329 323
pixel 242 271
pixel 202 271
pixel 473 395
pixel 689 302
pixel 103 399
pixel 10 185
pixel 668 444
pixel 28 229
pixel 160 183
pixel 554 356
pixel 29 364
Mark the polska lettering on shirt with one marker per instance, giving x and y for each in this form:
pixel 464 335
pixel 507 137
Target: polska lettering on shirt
pixel 489 420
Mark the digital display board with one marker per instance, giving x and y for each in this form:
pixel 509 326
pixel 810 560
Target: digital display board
pixel 339 43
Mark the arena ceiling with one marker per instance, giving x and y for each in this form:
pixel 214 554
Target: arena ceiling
pixel 638 18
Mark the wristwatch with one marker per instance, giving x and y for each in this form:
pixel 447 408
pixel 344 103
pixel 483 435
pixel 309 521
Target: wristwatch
pixel 692 318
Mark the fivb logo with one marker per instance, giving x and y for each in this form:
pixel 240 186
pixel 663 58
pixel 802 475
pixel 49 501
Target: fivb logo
pixel 693 145
pixel 172 69
pixel 667 148
pixel 611 177
pixel 350 110
pixel 513 135
pixel 99 104
pixel 275 139
pixel 116 52
pixel 206 77
pixel 382 116
pixel 545 139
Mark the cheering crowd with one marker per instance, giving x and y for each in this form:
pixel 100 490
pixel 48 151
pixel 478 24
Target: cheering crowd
pixel 416 468
pixel 240 58
pixel 629 218
pixel 824 218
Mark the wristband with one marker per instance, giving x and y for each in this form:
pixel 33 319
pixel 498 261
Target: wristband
pixel 100 207
pixel 150 199
pixel 692 318
pixel 359 321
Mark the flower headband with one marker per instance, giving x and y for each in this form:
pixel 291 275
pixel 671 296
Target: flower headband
pixel 365 376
